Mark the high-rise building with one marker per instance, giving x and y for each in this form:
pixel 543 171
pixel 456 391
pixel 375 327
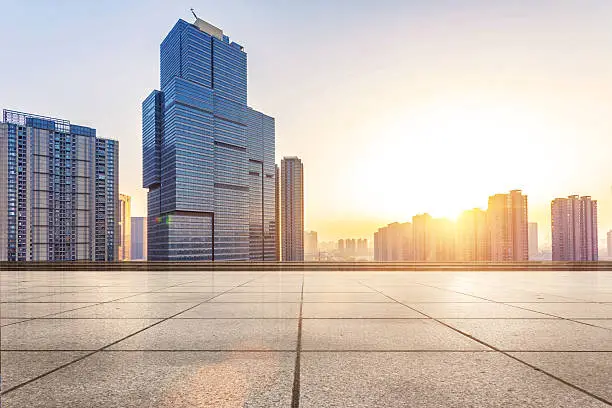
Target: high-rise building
pixel 341 247
pixel 311 246
pixel 533 240
pixel 609 244
pixel 125 227
pixel 59 193
pixel 394 243
pixel 139 238
pixel 472 236
pixel 292 209
pixel 208 159
pixel 277 207
pixel 574 229
pixel 507 219
pixel 423 238
pixel 362 246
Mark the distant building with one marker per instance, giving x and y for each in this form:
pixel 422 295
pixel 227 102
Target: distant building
pixel 610 244
pixel 574 229
pixel 507 220
pixel 423 238
pixel 277 213
pixel 533 240
pixel 139 238
pixel 292 209
pixel 394 243
pixel 473 236
pixel 125 226
pixel 58 191
pixel 341 246
pixel 362 247
pixel 311 246
pixel 351 247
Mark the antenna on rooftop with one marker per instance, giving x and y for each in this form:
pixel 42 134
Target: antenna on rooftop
pixel 194 14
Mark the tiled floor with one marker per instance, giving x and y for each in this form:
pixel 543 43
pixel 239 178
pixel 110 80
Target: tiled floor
pixel 312 339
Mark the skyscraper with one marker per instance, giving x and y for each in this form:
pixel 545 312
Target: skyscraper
pixel 473 236
pixel 507 219
pixel 394 243
pixel 277 207
pixel 423 238
pixel 125 227
pixel 311 246
pixel 292 209
pixel 533 240
pixel 208 160
pixel 139 238
pixel 59 193
pixel 609 244
pixel 574 229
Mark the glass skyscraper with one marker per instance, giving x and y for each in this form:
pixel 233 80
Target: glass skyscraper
pixel 59 197
pixel 208 159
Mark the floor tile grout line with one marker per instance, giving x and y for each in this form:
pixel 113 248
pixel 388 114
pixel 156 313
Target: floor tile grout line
pixel 475 351
pixel 519 307
pixel 505 353
pixel 15 387
pixel 82 307
pixel 295 391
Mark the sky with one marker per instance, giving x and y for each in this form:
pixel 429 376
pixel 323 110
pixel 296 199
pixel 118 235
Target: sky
pixel 395 107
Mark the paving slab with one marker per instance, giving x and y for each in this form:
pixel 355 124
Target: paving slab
pixel 382 334
pixel 463 379
pixel 68 334
pixel 165 380
pixel 124 310
pixel 591 371
pixel 216 334
pixel 253 297
pixel 353 310
pixel 35 309
pixel 571 310
pixel 20 366
pixel 536 335
pixel 474 310
pixel 213 310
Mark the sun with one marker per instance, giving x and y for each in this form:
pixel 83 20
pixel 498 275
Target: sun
pixel 446 158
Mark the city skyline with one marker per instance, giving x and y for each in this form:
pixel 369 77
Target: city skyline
pixel 549 110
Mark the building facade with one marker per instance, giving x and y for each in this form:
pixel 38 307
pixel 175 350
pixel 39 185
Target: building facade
pixel 473 236
pixel 125 227
pixel 609 238
pixel 59 192
pixel 208 159
pixel 507 219
pixel 311 245
pixel 574 229
pixel 394 243
pixel 139 238
pixel 533 240
pixel 292 209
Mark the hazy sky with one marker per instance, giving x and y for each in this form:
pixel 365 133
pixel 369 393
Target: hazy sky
pixel 395 107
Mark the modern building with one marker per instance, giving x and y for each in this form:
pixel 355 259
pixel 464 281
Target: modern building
pixel 311 246
pixel 533 240
pixel 292 209
pixel 574 229
pixel 208 159
pixel 125 227
pixel 362 247
pixel 507 219
pixel 609 237
pixel 139 238
pixel 59 194
pixel 394 243
pixel 423 238
pixel 277 213
pixel 473 236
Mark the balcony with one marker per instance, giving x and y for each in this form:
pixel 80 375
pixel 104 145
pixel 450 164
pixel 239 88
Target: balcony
pixel 252 338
